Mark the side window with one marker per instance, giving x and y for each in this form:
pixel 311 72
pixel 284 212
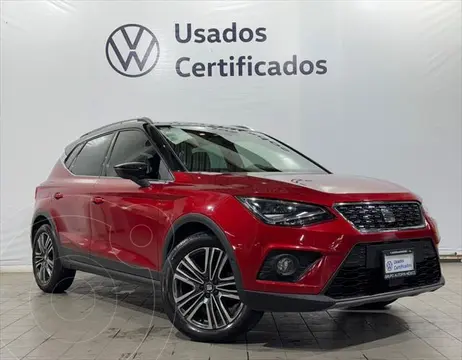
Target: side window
pixel 134 146
pixel 70 158
pixel 90 159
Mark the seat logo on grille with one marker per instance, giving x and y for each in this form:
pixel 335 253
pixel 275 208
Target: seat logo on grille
pixel 388 215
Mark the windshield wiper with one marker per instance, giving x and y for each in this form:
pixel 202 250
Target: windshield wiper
pixel 267 168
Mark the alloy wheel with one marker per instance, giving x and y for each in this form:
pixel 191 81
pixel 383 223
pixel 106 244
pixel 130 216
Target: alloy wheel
pixel 44 258
pixel 204 289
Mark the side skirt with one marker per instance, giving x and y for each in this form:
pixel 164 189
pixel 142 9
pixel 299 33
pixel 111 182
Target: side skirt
pixel 114 274
pixel 118 270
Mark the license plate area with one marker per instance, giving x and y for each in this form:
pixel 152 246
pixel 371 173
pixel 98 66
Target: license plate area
pixel 398 263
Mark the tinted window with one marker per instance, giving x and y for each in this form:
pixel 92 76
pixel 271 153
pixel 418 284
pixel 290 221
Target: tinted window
pixel 134 146
pixel 70 158
pixel 90 160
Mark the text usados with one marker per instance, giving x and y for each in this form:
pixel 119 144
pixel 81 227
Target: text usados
pixel 238 65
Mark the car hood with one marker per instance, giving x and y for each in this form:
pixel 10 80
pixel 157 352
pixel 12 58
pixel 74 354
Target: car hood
pixel 297 186
pixel 333 184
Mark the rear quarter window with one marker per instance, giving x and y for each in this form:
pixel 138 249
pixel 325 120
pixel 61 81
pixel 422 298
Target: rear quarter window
pixel 89 160
pixel 72 155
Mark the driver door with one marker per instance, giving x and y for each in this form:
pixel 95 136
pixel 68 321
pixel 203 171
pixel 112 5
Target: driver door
pixel 126 219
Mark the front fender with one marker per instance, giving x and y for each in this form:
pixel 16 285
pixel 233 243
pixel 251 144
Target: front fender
pixel 215 229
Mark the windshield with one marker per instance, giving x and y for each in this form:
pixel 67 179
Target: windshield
pixel 221 149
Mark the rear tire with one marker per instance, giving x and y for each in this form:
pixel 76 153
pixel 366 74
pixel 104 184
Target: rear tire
pixel 199 292
pixel 50 274
pixel 374 306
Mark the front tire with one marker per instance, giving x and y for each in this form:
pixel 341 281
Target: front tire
pixel 200 294
pixel 50 274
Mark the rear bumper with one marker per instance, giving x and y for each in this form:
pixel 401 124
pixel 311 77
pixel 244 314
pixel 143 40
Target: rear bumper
pixel 276 302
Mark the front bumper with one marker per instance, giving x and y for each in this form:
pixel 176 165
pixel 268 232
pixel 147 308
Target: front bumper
pixel 275 302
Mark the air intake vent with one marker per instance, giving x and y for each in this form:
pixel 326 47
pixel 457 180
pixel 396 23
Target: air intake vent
pixel 361 274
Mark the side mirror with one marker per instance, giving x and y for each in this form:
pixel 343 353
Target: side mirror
pixel 134 171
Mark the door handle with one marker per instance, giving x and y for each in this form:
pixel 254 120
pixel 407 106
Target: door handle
pixel 97 200
pixel 58 195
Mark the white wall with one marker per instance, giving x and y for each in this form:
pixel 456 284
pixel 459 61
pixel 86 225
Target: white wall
pixel 389 105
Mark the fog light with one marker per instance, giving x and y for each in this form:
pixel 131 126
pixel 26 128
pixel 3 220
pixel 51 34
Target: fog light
pixel 286 265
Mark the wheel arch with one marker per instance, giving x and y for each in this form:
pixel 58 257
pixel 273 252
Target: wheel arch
pixel 40 218
pixel 203 223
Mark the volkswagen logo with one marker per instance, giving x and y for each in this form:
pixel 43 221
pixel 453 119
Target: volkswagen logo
pixel 389 266
pixel 132 50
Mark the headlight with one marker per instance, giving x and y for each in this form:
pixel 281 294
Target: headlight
pixel 286 213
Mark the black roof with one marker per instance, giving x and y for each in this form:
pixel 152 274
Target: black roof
pixel 106 129
pixel 117 125
pixel 139 122
pixel 129 123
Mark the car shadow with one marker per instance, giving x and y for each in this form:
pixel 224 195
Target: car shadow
pixel 318 331
pixel 329 330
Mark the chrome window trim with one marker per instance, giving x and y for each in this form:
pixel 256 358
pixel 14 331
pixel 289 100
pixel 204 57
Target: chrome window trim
pixel 369 231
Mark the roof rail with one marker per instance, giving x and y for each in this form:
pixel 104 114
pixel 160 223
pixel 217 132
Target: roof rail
pixel 143 119
pixel 242 127
pixel 179 123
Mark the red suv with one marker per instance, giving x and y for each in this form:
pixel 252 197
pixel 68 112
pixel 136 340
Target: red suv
pixel 232 222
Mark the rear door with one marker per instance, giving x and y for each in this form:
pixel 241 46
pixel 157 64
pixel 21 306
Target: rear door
pixel 73 193
pixel 127 220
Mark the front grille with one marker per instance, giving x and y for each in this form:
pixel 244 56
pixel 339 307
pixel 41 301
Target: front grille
pixel 362 273
pixel 383 216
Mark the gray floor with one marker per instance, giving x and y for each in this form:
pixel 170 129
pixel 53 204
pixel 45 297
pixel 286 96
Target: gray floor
pixel 102 319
